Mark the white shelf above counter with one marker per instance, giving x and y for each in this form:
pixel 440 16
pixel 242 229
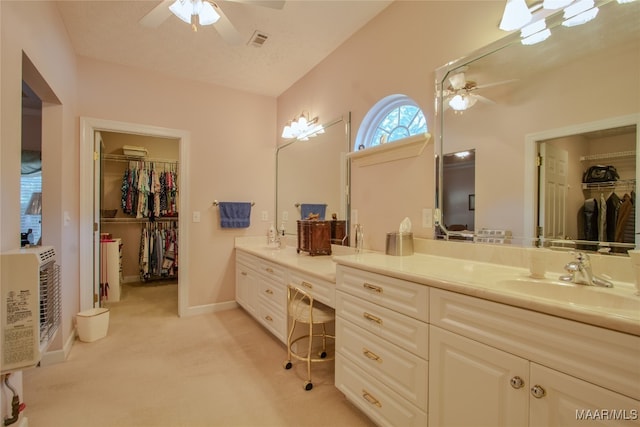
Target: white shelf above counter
pixel 400 149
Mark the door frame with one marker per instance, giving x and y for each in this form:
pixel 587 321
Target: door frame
pixel 88 127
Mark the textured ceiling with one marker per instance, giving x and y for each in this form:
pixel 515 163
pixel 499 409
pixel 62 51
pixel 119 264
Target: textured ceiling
pixel 301 35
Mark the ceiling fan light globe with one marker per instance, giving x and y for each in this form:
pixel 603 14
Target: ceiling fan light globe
pixel 208 14
pixel 183 9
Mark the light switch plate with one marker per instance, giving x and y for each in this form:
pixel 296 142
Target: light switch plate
pixel 196 216
pixel 427 218
pixel 265 216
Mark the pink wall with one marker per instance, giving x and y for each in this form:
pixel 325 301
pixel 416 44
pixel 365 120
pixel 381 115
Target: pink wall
pixel 397 52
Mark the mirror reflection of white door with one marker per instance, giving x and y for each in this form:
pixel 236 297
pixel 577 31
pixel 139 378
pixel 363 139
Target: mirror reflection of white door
pixel 97 191
pixel 553 190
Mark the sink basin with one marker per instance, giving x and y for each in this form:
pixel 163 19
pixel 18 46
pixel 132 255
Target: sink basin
pixel 578 295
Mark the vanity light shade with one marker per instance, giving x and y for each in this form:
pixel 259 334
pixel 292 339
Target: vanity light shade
pixel 578 7
pixel 555 4
pixel 287 132
pixel 516 15
pixel 581 18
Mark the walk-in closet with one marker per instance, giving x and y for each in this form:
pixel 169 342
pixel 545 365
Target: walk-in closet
pixel 139 199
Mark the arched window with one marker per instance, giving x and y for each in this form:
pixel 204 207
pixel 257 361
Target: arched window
pixel 393 117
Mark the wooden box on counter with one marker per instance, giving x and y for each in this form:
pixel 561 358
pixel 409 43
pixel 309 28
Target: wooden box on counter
pixel 314 236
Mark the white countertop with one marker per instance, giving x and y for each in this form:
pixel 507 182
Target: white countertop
pixel 616 308
pixel 321 266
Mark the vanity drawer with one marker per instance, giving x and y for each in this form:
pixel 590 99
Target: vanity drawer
pixel 272 270
pixel 406 332
pixel 603 357
pixel 402 371
pixel 375 399
pixel 405 297
pixel 273 318
pixel 322 290
pixel 275 293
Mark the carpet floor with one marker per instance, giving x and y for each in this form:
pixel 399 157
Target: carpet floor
pixel 154 369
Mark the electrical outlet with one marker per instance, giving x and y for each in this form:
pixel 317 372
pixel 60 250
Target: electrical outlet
pixel 196 216
pixel 285 215
pixel 265 216
pixel 427 218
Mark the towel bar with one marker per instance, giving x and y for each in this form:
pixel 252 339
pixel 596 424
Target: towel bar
pixel 216 203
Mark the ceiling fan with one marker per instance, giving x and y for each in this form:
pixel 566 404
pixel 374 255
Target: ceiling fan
pixel 204 12
pixel 460 94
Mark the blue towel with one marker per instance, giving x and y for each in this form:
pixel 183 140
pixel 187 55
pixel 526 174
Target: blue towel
pixel 311 208
pixel 235 214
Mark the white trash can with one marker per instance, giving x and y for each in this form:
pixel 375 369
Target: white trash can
pixel 92 324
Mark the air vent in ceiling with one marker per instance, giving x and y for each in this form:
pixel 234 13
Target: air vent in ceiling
pixel 258 39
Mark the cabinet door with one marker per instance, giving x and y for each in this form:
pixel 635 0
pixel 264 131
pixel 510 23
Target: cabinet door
pixel 470 384
pixel 246 288
pixel 563 400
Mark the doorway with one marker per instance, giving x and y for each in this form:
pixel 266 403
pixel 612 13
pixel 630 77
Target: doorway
pixel 90 209
pixel 139 224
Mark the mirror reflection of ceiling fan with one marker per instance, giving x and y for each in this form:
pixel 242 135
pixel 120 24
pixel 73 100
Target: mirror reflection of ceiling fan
pixel 203 12
pixel 460 94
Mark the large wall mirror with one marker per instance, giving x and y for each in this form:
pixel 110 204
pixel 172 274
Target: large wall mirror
pixel 537 118
pixel 314 172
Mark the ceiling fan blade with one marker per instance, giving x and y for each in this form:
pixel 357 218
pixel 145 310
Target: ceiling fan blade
pixel 482 99
pixel 503 82
pixel 157 15
pixel 273 4
pixel 226 28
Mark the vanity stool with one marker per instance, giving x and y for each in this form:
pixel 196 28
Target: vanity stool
pixel 303 308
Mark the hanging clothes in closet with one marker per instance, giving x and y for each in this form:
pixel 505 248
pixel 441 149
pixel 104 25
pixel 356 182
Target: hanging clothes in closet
pixel 150 189
pixel 609 218
pixel 159 251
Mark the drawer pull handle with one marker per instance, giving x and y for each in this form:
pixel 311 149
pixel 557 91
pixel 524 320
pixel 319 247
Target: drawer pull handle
pixel 307 285
pixel 371 399
pixel 269 270
pixel 517 382
pixel 244 273
pixel 371 287
pixel 269 291
pixel 269 318
pixel 371 355
pixel 538 391
pixel 372 318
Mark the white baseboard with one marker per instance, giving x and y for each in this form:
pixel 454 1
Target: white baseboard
pixel 210 308
pixel 59 356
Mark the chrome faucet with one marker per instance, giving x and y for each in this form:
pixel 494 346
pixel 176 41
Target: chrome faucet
pixel 580 272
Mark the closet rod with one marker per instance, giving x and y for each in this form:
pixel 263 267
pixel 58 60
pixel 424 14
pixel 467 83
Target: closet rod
pixel 121 158
pixel 138 220
pixel 609 155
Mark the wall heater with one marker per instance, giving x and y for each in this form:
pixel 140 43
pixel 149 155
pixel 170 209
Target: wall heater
pixel 31 305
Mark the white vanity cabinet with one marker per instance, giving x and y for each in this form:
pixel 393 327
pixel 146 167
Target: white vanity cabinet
pixel 382 346
pixel 497 365
pixel 246 282
pixel 261 290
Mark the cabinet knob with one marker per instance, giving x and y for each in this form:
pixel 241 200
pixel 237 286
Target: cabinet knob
pixel 517 382
pixel 244 273
pixel 306 284
pixel 268 291
pixel 372 318
pixel 369 398
pixel 269 270
pixel 538 391
pixel 371 287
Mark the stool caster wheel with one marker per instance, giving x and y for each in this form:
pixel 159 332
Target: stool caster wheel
pixel 287 365
pixel 308 385
pixel 323 355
